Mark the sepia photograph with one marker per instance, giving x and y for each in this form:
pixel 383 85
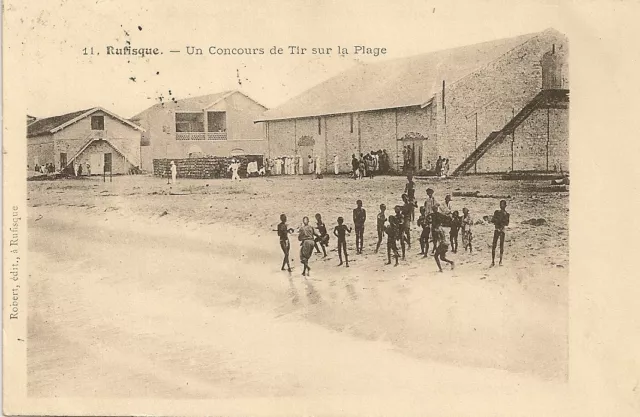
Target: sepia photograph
pixel 328 211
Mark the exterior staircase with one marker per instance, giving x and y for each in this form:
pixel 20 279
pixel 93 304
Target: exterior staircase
pixel 550 98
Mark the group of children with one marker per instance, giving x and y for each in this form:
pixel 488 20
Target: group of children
pixel 434 217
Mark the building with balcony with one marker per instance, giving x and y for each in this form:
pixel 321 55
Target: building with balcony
pixel 96 139
pixel 218 124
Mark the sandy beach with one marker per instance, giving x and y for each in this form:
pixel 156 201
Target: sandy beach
pixel 175 291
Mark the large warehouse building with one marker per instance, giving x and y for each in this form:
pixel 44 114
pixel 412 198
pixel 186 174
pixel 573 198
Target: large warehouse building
pixel 491 107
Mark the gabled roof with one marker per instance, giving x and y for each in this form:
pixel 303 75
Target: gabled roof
pixel 403 82
pixel 49 125
pixel 44 126
pixel 193 104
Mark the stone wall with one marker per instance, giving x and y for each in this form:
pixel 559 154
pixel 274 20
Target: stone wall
pixel 526 150
pixel 353 133
pixel 41 150
pixel 496 93
pixel 208 167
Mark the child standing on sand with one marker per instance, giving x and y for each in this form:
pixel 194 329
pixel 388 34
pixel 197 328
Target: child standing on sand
pixel 456 223
pixel 467 235
pixel 429 204
pixel 322 235
pixel 501 221
pixel 410 191
pixel 407 213
pixel 306 237
pixel 391 230
pixel 359 218
pixel 340 232
pixel 426 231
pixel 283 233
pixel 399 229
pixel 380 220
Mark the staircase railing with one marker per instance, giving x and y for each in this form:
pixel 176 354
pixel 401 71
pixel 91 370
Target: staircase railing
pixel 542 99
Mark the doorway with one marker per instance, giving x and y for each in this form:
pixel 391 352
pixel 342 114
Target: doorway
pixel 414 159
pixel 107 162
pixel 96 162
pixel 63 160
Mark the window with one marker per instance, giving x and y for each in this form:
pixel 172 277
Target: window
pixel 189 122
pixel 319 126
pixel 351 122
pixel 216 121
pixel 97 122
pixel 145 140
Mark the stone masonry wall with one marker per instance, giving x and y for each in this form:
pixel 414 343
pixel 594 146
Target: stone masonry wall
pixel 356 133
pixel 529 151
pixel 495 93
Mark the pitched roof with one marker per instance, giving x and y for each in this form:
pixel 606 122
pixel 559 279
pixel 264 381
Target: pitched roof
pixel 44 126
pixel 394 83
pixel 53 124
pixel 195 104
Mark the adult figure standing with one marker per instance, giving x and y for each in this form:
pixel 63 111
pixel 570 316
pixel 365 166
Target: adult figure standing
pixel 354 165
pixel 234 168
pixel 174 172
pixel 385 162
pixel 439 166
pixel 316 164
pixel 311 165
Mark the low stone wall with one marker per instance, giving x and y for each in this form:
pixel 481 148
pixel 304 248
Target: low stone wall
pixel 208 167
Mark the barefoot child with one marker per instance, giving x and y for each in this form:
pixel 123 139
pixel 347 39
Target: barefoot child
pixel 429 204
pixel 407 214
pixel 456 223
pixel 426 231
pixel 306 237
pixel 322 237
pixel 443 247
pixel 391 240
pixel 359 218
pixel 283 232
pixel 467 236
pixel 340 232
pixel 500 220
pixel 399 229
pixel 380 220
pixel 410 191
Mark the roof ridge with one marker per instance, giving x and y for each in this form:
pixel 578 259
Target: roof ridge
pixel 531 35
pixel 520 45
pixel 400 82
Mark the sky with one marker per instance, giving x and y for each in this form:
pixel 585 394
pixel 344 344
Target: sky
pixel 59 78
